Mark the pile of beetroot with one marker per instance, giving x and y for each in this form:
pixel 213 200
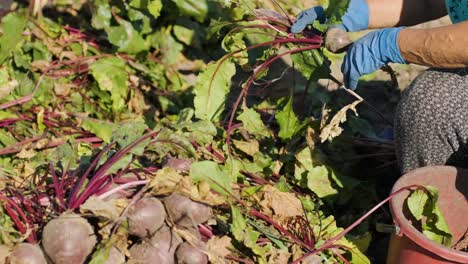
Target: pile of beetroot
pixel 151 224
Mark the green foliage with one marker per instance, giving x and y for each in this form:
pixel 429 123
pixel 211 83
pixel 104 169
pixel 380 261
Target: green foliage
pixel 253 123
pixel 312 64
pixel 197 9
pixel 212 173
pixel 111 76
pixel 288 122
pixel 424 207
pixel 211 90
pixel 335 10
pixel 245 234
pixel 8 234
pixel 12 26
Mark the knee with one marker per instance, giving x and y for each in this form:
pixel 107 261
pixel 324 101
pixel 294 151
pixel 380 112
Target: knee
pixel 429 118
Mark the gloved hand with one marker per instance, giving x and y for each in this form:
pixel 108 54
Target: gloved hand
pixel 356 17
pixel 370 53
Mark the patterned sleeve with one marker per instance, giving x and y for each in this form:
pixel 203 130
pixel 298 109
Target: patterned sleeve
pixel 457 10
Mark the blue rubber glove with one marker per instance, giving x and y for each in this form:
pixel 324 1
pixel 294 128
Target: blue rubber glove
pixel 307 17
pixel 370 53
pixel 356 17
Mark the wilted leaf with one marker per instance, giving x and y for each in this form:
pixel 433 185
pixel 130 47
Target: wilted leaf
pixel 6 83
pixel 202 193
pixel 165 181
pixel 211 90
pixel 280 205
pixel 250 148
pixel 117 243
pixel 218 249
pixel 107 209
pixel 26 153
pixel 4 253
pixel 175 141
pixel 333 129
pixel 279 256
pixel 169 180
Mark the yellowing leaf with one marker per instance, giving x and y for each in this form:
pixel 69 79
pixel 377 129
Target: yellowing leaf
pixel 250 148
pixel 169 180
pixel 333 129
pixel 26 153
pixel 318 181
pixel 165 181
pixel 4 253
pixel 107 209
pixel 218 249
pixel 6 83
pixel 280 205
pixel 279 256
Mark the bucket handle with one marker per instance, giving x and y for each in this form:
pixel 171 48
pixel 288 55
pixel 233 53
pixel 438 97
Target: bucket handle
pixel 388 229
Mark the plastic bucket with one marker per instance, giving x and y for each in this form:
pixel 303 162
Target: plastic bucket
pixel 409 246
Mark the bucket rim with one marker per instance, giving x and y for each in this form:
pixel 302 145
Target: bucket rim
pixel 407 229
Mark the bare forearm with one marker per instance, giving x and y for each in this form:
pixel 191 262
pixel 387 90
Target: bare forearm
pixel 444 47
pixel 391 13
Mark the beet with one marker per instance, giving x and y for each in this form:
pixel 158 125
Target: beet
pixel 25 253
pixel 185 212
pixel 337 40
pixel 178 164
pixel 160 248
pixel 188 254
pixel 68 239
pixel 145 217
